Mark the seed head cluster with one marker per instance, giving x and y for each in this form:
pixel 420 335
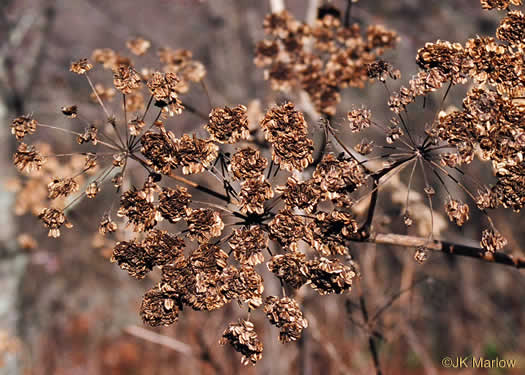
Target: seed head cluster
pixel 212 242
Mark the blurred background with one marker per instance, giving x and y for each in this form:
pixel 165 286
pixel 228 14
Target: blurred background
pixel 65 309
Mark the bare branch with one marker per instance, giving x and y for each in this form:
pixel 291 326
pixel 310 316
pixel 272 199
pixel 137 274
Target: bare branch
pixel 156 338
pixel 448 248
pixel 277 6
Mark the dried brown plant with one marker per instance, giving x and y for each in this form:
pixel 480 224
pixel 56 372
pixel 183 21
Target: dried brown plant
pixel 210 251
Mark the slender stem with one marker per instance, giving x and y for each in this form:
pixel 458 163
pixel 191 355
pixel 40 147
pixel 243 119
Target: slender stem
pixel 371 342
pixel 76 133
pixel 420 159
pixel 409 185
pixel 364 230
pixel 348 13
pixel 147 108
pixel 125 119
pixel 346 149
pixel 97 96
pixel 447 248
pixel 201 188
pixel 133 144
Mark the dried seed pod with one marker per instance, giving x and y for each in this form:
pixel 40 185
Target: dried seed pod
pixel 228 125
pixel 457 212
pixel 359 119
pixel 244 339
pixel 54 218
pixel 138 46
pixel 286 315
pixel 330 276
pixel 248 245
pixel 421 255
pixel 160 307
pixel 81 66
pixel 22 126
pixel 247 163
pixel 203 224
pixel 492 240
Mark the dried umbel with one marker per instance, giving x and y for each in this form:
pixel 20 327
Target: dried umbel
pixel 27 159
pixel 244 339
pixel 132 257
pixel 287 228
pixel 302 195
pixel 287 316
pixel 254 192
pixel 81 66
pixel 321 59
pixel 54 219
pixel 499 4
pixel 164 88
pixel 196 270
pixel 330 276
pixel 245 285
pixel 209 239
pixel 338 177
pixel 203 224
pixel 228 125
pixel 173 203
pixel 135 206
pixel 291 268
pixel 492 240
pixel 194 154
pixel 247 163
pixel 457 212
pixel 138 46
pixel 22 126
pixel 126 79
pixel 160 307
pixel 249 245
pixel 358 119
pixel 328 233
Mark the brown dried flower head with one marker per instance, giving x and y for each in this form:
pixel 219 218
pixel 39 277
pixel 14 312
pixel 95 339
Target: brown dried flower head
pixel 254 192
pixel 492 240
pixel 138 46
pixel 244 339
pixel 203 224
pixel 457 212
pixel 247 163
pixel 22 126
pixel 62 187
pixel 330 276
pixel 499 4
pixel 126 79
pixel 287 316
pixel 27 159
pixel 54 218
pixel 81 66
pixel 248 245
pixel 228 125
pixel 291 268
pixel 160 307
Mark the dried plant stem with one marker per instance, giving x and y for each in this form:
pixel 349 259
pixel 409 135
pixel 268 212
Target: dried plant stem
pixel 76 133
pixel 204 189
pixel 277 6
pixel 98 96
pixel 365 229
pixel 348 12
pixel 371 340
pixel 327 345
pixel 155 338
pixel 448 248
